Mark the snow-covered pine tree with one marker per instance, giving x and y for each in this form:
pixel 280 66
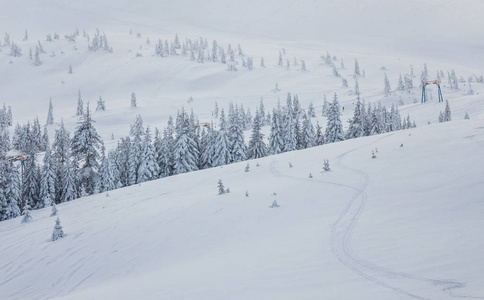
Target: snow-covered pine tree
pixel 185 152
pixel 137 128
pixel 84 147
pixel 387 88
pixel 50 117
pixel 148 169
pixel 47 180
pixel 80 105
pixel 11 191
pixel 208 148
pixel 221 188
pixel 31 183
pixel 279 63
pixel 356 128
pixel 237 139
pixel 447 113
pixel 325 107
pixel 257 147
pixel 466 117
pixel 334 129
pixel 133 100
pixel 100 104
pixel 308 136
pixel 400 87
pixel 303 65
pixel 54 210
pixel 319 135
pixel 276 141
pixel 222 155
pixel 26 214
pixel 357 69
pixel 289 129
pixel 58 232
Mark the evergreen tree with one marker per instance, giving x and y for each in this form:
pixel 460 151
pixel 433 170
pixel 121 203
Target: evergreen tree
pixel 334 129
pixel 257 147
pixel 133 100
pixel 276 142
pixel 100 105
pixel 356 128
pixel 80 105
pixel 387 88
pixel 149 168
pixel 84 147
pixel 26 213
pixel 31 183
pixel 58 232
pixel 237 139
pixel 221 188
pixel 50 117
pixel 401 87
pixel 185 152
pixel 208 150
pixel 222 155
pixel 357 69
pixel 12 192
pixel 319 135
pixel 165 155
pixel 308 136
pixel 47 181
pixel 325 107
pixel 447 114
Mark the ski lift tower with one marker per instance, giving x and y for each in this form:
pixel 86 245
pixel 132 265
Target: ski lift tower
pixel 425 83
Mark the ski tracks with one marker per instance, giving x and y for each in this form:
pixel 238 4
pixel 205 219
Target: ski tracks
pixel 415 287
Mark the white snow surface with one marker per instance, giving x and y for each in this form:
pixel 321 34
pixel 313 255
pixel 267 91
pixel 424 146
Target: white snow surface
pixel 405 225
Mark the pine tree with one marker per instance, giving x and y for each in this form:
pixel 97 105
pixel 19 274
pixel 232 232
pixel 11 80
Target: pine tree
pixel 325 107
pixel 221 188
pixel 80 105
pixel 84 147
pixel 26 213
pixel 319 135
pixel 185 152
pixel 447 114
pixel 58 232
pixel 31 183
pixel 100 105
pixel 387 88
pixel 334 129
pixel 133 100
pixel 237 139
pixel 257 147
pixel 50 118
pixel 357 69
pixel 222 155
pixel 11 192
pixel 401 87
pixel 308 136
pixel 276 142
pixel 54 210
pixel 356 128
pixel 47 181
pixel 149 168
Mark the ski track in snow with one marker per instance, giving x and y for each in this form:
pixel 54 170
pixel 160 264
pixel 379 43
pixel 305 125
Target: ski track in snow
pixel 399 282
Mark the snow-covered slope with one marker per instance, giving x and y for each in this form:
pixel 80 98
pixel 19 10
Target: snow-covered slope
pixel 405 225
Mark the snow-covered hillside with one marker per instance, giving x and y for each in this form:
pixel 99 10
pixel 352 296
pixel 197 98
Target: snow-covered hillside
pixel 406 224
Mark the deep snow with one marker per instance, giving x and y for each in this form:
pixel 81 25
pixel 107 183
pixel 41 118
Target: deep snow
pixel 406 225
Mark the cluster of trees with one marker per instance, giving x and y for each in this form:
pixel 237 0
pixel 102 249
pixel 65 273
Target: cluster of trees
pixel 81 166
pixel 201 51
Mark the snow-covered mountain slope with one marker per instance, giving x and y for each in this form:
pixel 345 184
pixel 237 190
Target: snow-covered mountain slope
pixel 404 225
